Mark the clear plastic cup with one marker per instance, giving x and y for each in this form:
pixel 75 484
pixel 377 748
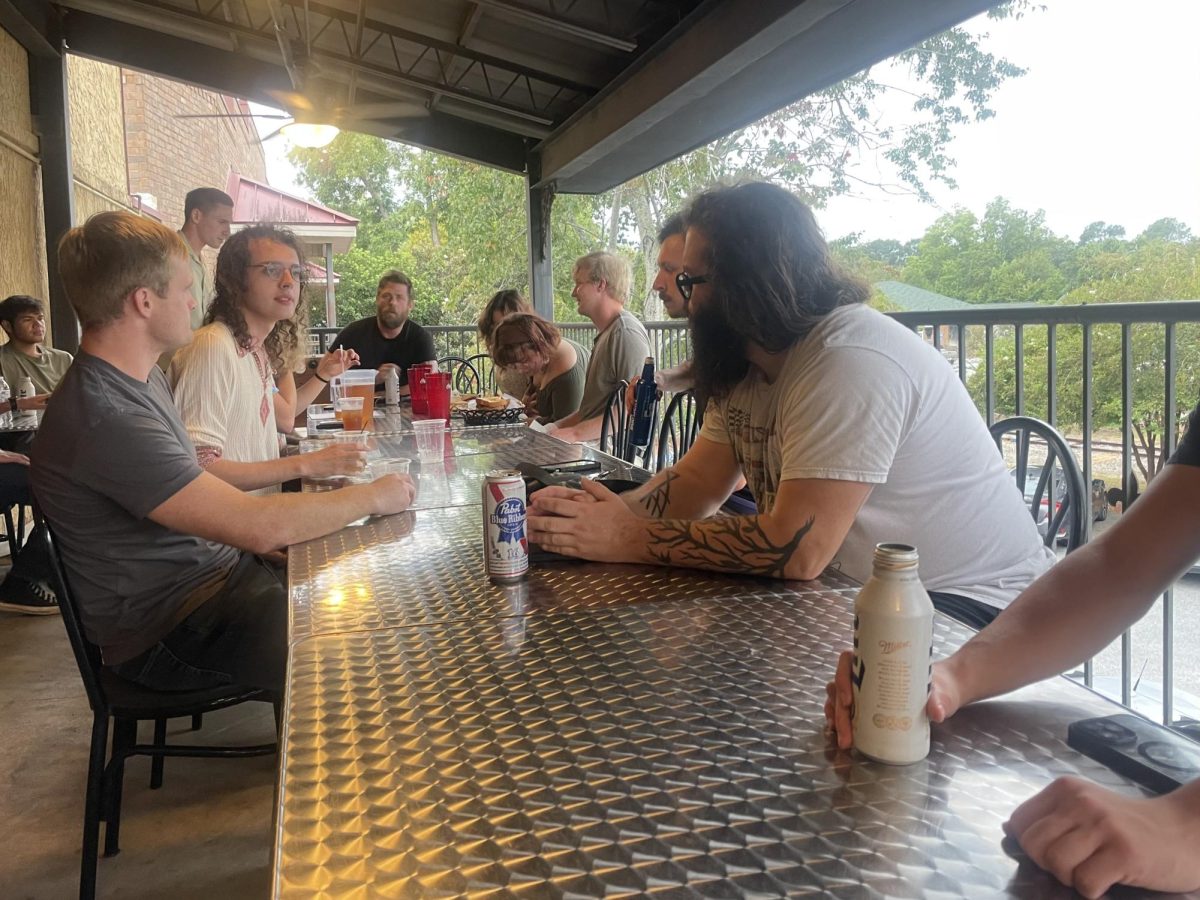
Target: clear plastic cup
pixel 431 438
pixel 395 465
pixel 350 411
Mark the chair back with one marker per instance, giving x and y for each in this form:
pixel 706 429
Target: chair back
pixel 87 654
pixel 678 429
pixel 1049 479
pixel 614 425
pixel 486 369
pixel 463 377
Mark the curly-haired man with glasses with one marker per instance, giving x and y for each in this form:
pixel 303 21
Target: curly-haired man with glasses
pixel 226 381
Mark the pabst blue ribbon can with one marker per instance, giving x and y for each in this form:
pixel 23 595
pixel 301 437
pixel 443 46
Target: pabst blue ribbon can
pixel 505 544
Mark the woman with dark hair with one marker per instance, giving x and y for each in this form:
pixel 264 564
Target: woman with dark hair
pixel 503 303
pixel 555 366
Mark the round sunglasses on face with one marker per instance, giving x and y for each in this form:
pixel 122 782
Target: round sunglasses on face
pixel 684 282
pixel 275 270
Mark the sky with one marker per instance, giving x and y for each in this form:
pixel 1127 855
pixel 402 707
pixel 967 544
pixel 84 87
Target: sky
pixel 1102 126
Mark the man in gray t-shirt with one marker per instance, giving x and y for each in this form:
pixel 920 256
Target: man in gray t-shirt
pixel 621 347
pixel 152 544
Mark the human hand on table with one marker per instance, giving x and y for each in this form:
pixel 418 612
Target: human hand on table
pixel 593 523
pixel 383 369
pixel 1091 838
pixel 392 494
pixel 8 456
pixel 336 459
pixel 36 402
pixel 945 698
pixel 335 362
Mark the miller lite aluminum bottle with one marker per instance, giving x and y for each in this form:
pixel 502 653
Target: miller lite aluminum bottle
pixel 893 650
pixel 505 544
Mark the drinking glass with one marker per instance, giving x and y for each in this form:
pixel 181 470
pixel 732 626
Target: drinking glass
pixel 431 436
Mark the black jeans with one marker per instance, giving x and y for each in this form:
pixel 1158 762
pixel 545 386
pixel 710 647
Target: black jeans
pixel 239 636
pixel 970 612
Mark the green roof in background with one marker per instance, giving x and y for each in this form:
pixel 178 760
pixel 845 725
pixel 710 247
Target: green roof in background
pixel 915 299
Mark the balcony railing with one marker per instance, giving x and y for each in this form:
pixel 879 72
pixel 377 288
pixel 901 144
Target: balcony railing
pixel 1081 368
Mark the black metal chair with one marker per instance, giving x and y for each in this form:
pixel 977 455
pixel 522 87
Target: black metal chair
pixel 616 430
pixel 486 369
pixel 1054 488
pixel 678 429
pixel 463 377
pixel 126 704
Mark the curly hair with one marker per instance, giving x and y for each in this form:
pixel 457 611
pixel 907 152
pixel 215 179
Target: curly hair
pixel 769 267
pixel 284 343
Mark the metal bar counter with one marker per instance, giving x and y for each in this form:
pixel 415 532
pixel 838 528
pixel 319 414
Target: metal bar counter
pixel 618 731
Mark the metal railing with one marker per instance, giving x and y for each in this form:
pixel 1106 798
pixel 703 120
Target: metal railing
pixel 972 339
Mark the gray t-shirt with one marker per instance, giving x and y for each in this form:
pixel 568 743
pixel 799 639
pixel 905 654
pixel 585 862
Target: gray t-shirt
pixel 618 355
pixel 110 450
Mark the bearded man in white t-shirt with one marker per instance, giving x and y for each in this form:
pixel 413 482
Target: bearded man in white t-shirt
pixel 849 429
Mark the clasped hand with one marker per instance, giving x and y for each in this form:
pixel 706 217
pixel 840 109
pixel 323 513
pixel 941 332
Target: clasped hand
pixel 593 523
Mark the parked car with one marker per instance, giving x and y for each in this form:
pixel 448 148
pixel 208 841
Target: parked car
pixel 1033 476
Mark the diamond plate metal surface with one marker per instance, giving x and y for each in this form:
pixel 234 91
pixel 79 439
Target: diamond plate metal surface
pixel 427 566
pixel 673 747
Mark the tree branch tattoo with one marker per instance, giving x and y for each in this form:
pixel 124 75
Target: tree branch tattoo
pixel 658 500
pixel 727 544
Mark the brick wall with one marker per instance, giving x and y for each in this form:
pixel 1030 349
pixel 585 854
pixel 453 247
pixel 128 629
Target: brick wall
pixel 168 156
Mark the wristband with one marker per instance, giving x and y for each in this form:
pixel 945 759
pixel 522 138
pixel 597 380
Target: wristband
pixel 319 378
pixel 12 401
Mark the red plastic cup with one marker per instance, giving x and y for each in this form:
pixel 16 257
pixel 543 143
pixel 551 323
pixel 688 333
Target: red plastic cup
pixel 417 388
pixel 437 399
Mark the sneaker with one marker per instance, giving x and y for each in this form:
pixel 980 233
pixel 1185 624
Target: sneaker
pixel 34 598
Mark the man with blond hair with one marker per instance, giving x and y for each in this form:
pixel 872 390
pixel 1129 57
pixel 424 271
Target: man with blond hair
pixel 621 345
pixel 162 555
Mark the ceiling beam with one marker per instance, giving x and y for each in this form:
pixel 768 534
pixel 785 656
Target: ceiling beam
pixel 241 75
pixel 531 16
pixel 33 24
pixel 726 65
pixel 454 49
pixel 136 11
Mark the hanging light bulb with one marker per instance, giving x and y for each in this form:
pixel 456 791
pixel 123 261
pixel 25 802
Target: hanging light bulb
pixel 310 134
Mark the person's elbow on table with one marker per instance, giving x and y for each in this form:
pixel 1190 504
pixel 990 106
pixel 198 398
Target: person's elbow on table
pixel 943 700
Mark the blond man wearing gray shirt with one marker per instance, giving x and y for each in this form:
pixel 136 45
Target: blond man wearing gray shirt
pixel 621 347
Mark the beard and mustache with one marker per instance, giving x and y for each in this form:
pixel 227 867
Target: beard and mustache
pixel 391 319
pixel 719 360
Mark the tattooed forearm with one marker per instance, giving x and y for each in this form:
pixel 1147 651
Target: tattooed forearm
pixel 727 544
pixel 657 501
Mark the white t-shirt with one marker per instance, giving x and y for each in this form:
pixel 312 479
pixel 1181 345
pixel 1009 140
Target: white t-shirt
pixel 225 400
pixel 863 399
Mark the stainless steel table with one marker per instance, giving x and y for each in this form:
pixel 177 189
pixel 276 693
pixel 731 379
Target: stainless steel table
pixel 616 731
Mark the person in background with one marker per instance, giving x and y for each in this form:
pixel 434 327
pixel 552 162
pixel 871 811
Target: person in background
pixel 224 381
pixel 834 413
pixel 162 556
pixel 25 588
pixel 389 339
pixel 555 366
pixel 1090 838
pixel 207 217
pixel 670 264
pixel 23 319
pixel 508 379
pixel 619 350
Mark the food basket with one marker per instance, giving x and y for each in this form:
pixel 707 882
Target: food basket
pixel 492 416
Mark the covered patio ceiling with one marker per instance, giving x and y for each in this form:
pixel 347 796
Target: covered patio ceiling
pixel 579 95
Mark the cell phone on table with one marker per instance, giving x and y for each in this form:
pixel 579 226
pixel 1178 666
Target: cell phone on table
pixel 574 467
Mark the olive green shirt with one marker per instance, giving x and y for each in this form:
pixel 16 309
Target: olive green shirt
pixel 562 395
pixel 45 370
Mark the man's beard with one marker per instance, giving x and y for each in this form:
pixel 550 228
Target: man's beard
pixel 391 319
pixel 718 352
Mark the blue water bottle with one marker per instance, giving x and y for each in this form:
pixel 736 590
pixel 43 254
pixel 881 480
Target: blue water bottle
pixel 643 407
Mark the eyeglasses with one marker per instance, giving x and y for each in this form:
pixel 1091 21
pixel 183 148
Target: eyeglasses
pixel 275 270
pixel 684 282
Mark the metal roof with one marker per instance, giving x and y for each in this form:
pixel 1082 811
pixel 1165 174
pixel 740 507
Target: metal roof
pixel 579 94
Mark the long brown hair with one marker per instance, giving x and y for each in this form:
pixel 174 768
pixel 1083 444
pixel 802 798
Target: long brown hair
pixel 284 342
pixel 531 329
